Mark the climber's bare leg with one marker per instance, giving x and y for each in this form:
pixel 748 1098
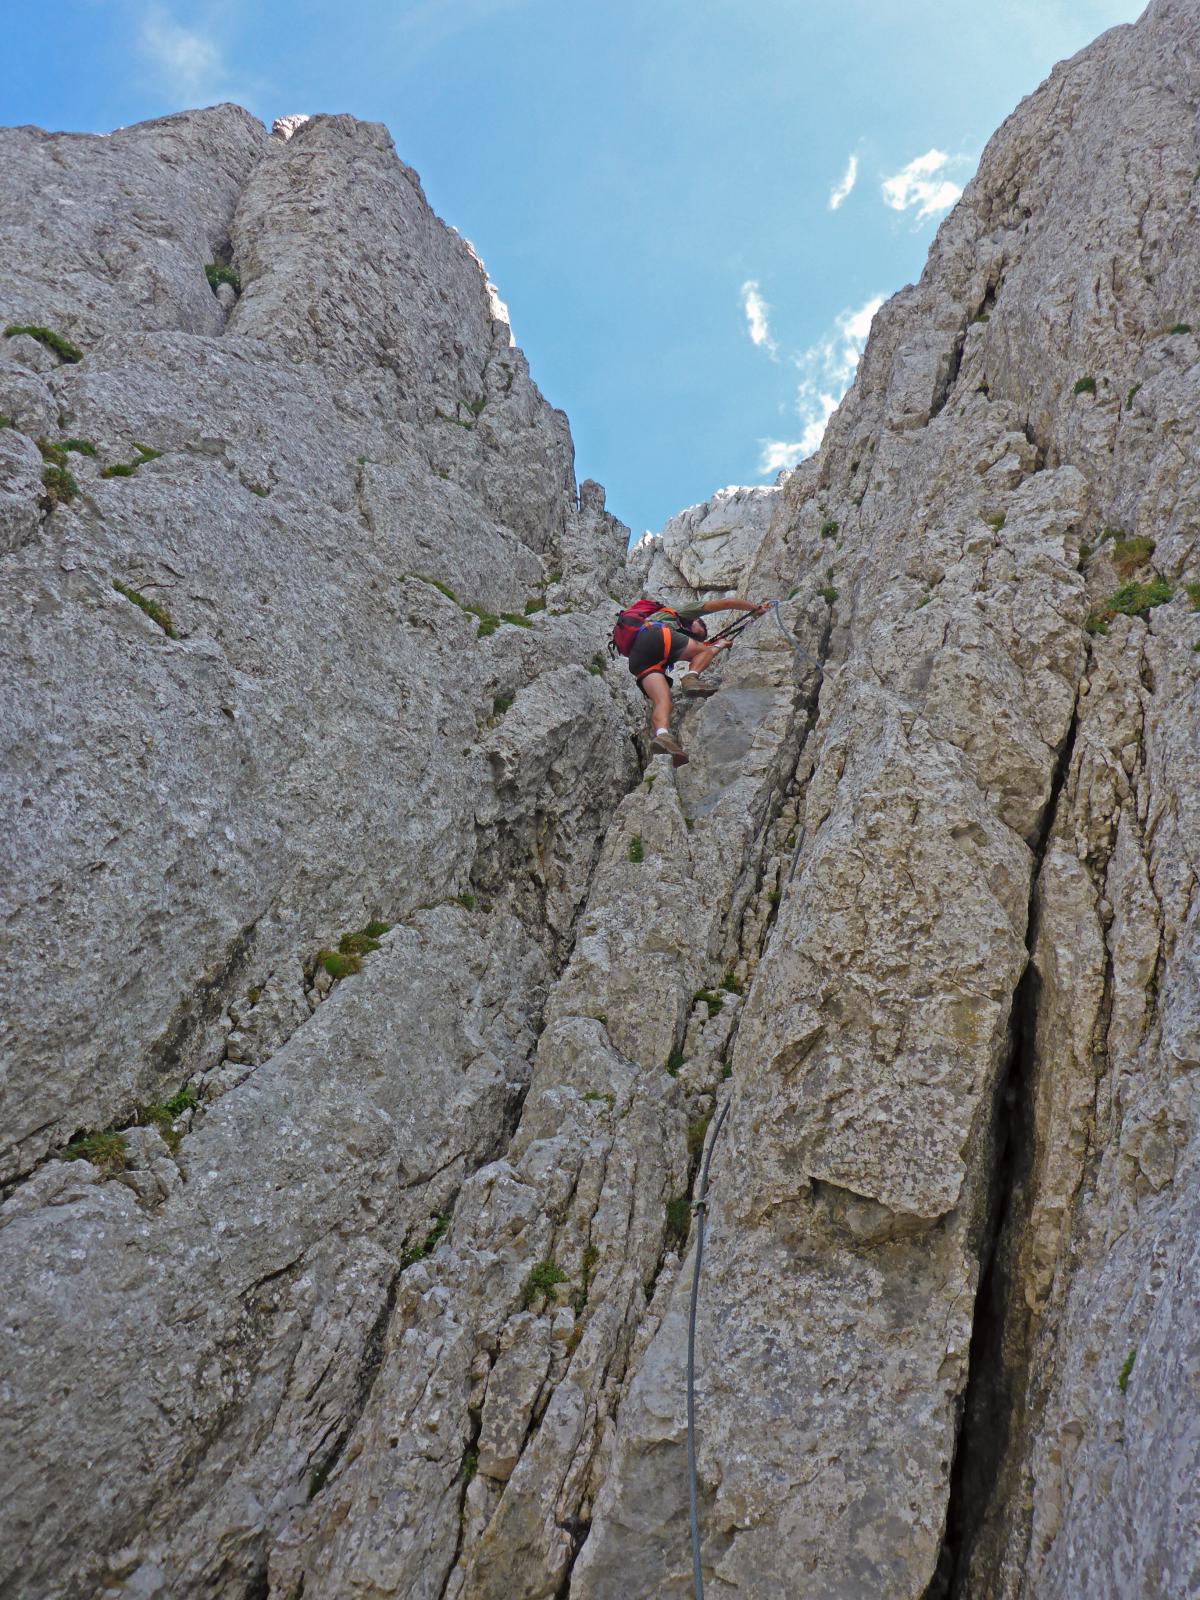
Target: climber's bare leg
pixel 656 686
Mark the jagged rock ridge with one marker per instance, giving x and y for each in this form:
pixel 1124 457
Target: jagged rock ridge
pixel 403 1310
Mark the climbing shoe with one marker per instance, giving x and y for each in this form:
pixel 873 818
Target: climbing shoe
pixel 694 684
pixel 665 744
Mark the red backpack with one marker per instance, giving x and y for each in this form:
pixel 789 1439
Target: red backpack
pixel 630 622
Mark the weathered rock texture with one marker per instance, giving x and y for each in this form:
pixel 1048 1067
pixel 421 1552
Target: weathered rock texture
pixel 393 1301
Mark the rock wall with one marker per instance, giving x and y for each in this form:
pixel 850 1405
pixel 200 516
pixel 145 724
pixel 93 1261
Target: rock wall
pixel 374 1282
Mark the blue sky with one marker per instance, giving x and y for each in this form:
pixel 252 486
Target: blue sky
pixel 649 182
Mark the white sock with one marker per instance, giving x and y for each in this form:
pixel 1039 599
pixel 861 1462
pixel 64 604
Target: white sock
pixel 659 731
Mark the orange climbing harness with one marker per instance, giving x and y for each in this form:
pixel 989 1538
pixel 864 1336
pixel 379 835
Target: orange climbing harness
pixel 658 666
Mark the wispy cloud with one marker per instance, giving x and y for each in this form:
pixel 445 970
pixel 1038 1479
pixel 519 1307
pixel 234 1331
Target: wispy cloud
pixel 186 65
pixel 826 372
pixel 846 182
pixel 756 311
pixel 923 183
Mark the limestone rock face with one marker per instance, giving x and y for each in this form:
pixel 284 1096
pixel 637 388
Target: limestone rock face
pixel 708 546
pixel 365 1271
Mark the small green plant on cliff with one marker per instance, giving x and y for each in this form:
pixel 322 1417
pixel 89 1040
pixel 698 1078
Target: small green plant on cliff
pixel 1085 385
pixel 339 964
pixel 679 1217
pixel 470 1465
pixel 1129 398
pixel 376 929
pixel 1130 600
pixel 996 522
pixel 119 469
pixel 1192 590
pixel 62 348
pixel 153 610
pixel 357 944
pixel 536 604
pixel 54 453
pixel 515 620
pixel 436 583
pixel 1126 1369
pixel 542 1280
pixel 829 530
pixel 487 620
pixel 1179 327
pixel 466 900
pixel 695 1135
pixel 60 487
pixel 259 489
pixel 103 1150
pixel 637 850
pixel 83 447
pixel 217 275
pixel 733 983
pixel 1127 555
pixel 673 1063
pixel 164 1117
pixel 426 1245
pixel 829 594
pixel 501 704
pixel 714 1002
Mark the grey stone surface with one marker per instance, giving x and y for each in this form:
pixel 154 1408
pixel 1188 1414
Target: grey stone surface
pixel 394 1300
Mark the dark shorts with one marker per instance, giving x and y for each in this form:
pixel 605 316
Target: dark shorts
pixel 648 648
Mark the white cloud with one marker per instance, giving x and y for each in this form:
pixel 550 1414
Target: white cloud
pixel 923 183
pixel 187 63
pixel 844 185
pixel 757 324
pixel 826 372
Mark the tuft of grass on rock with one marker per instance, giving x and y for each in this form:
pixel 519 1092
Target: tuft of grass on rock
pixel 259 489
pixel 54 453
pixel 695 1135
pixel 217 275
pixel 733 984
pixel 442 588
pixel 1129 398
pixel 466 900
pixel 153 610
pixel 357 944
pixel 145 453
pixel 501 704
pixel 829 530
pixel 542 1280
pixel 1130 600
pixel 83 447
pixel 1126 1369
pixel 60 487
pixel 339 964
pixel 427 1244
pixel 515 620
pixel 714 1002
pixel 376 929
pixel 1192 590
pixel 470 1465
pixel 637 850
pixel 62 348
pixel 673 1063
pixel 679 1219
pixel 996 522
pixel 103 1150
pixel 1127 555
pixel 1179 327
pixel 829 594
pixel 1085 385
pixel 596 666
pixel 538 603
pixel 119 469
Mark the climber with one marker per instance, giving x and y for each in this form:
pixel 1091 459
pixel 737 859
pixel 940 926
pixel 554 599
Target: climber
pixel 665 638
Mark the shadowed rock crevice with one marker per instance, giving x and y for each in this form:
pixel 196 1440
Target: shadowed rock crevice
pixel 992 1403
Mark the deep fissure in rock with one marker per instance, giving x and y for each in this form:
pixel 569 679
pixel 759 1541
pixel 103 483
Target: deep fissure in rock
pixel 999 1339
